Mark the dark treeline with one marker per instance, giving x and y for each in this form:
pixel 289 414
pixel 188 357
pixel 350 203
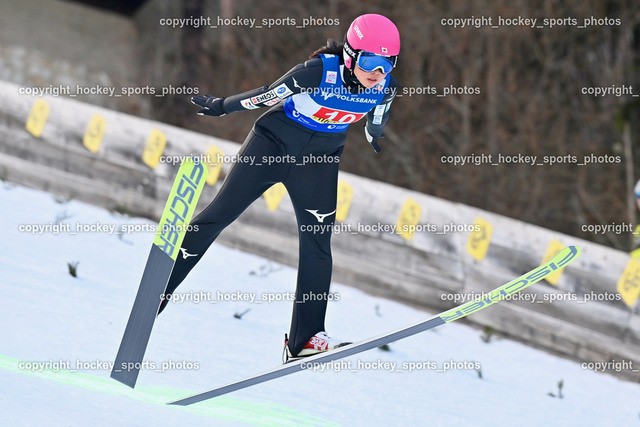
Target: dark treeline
pixel 514 91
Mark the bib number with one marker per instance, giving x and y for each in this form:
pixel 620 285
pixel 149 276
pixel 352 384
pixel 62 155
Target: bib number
pixel 328 115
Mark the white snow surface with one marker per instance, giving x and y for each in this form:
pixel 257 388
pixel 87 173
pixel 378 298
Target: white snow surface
pixel 60 333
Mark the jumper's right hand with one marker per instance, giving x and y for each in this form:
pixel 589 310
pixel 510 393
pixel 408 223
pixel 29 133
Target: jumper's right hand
pixel 373 140
pixel 211 106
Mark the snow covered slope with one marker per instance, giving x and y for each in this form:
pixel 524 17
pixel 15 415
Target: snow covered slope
pixel 60 334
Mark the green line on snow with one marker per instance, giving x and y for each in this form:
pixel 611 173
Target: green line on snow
pixel 224 408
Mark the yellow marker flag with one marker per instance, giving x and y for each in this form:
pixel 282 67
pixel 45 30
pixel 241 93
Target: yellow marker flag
pixel 274 195
pixel 94 133
pixel 629 283
pixel 408 218
pixel 154 148
pixel 552 250
pixel 37 117
pixel 345 196
pixel 479 239
pixel 215 158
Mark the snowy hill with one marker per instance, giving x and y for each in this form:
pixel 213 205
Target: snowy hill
pixel 61 334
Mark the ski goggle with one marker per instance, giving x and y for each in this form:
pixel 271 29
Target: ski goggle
pixel 369 62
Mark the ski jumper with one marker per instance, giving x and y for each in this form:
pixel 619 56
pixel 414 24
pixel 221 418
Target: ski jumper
pixel 305 130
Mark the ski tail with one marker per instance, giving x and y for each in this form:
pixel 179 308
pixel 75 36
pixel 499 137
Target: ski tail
pixel 173 225
pixel 561 260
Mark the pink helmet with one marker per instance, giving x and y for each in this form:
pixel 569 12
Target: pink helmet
pixel 371 33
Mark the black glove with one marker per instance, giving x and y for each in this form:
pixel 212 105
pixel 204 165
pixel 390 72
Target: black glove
pixel 211 106
pixel 373 140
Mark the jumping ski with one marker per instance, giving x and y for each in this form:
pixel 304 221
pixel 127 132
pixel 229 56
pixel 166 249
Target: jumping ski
pixel 561 260
pixel 176 216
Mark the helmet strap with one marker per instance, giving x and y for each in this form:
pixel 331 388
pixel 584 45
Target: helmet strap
pixel 349 55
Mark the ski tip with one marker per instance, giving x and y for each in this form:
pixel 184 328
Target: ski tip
pixel 572 250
